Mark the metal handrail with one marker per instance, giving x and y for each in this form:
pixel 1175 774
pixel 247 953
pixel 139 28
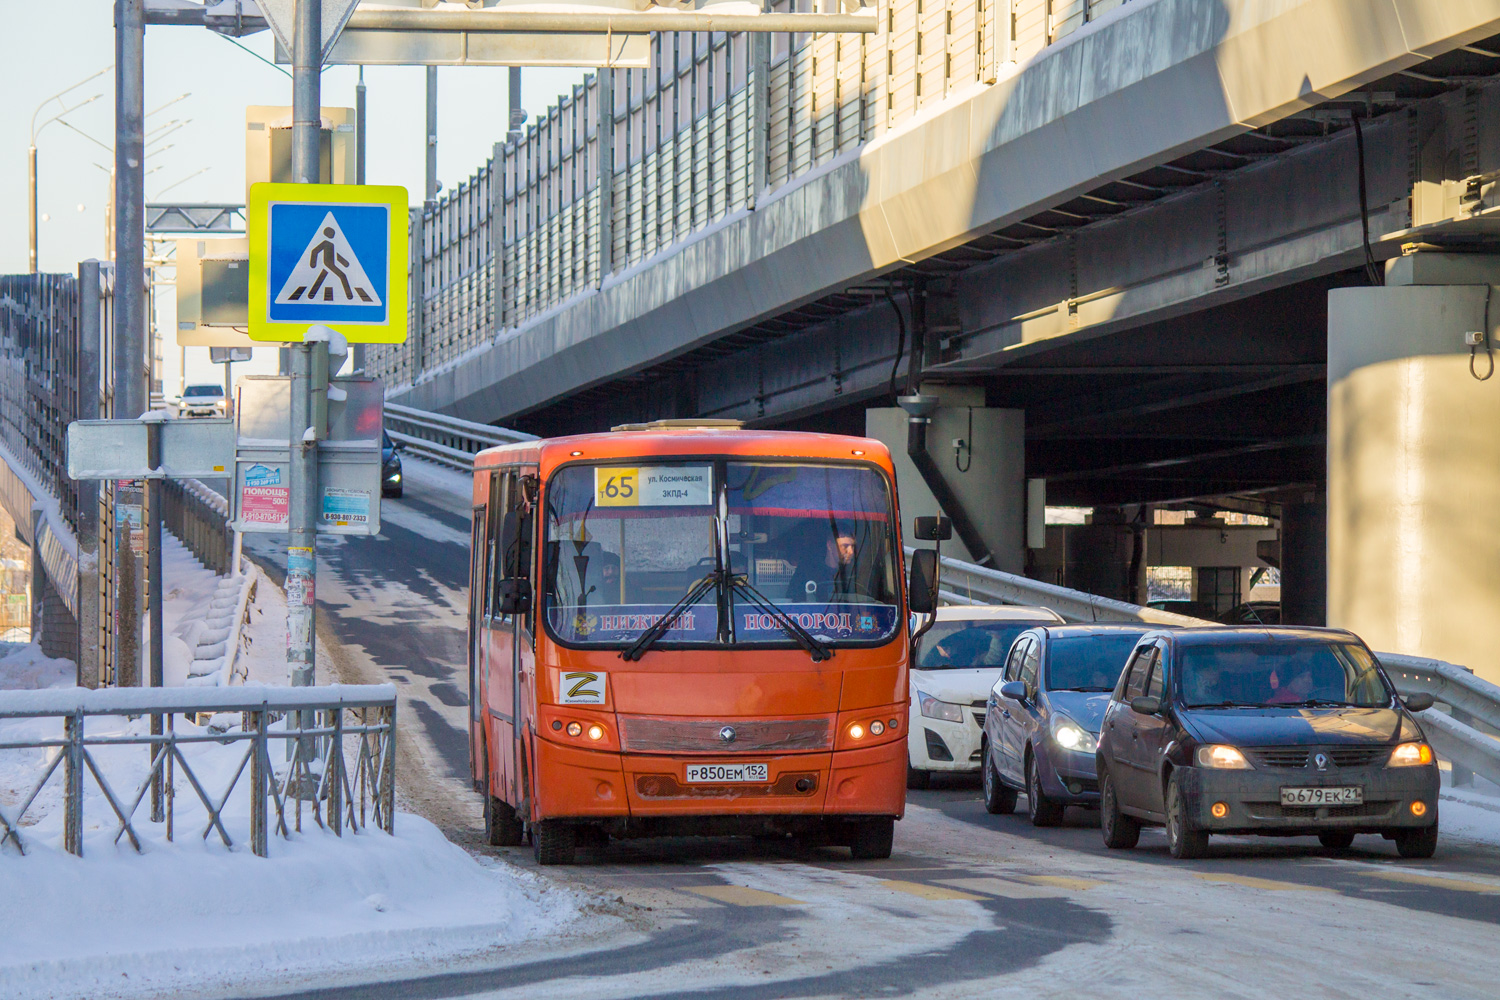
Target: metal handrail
pixel 443 439
pixel 316 775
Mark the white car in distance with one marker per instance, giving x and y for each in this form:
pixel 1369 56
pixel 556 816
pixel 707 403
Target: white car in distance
pixel 201 401
pixel 953 668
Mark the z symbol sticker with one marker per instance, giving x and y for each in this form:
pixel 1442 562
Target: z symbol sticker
pixel 582 687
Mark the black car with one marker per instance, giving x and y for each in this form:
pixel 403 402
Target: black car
pixel 1274 731
pixel 390 466
pixel 1042 719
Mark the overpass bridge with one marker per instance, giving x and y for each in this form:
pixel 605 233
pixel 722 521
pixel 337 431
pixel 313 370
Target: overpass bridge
pixel 1134 250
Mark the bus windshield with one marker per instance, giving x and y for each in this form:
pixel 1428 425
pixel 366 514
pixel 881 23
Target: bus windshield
pixel 625 544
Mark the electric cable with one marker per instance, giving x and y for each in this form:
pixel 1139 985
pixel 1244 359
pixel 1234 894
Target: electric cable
pixel 1371 271
pixel 900 338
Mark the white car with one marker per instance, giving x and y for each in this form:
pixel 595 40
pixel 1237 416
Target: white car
pixel 202 401
pixel 953 668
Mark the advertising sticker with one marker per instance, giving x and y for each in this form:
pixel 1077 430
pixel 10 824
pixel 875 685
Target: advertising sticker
pixel 265 499
pixel 343 507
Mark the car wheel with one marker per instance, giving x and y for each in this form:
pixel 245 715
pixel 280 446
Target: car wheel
pixel 1336 840
pixel 917 778
pixel 872 838
pixel 1121 832
pixel 1042 810
pixel 502 827
pixel 999 800
pixel 1417 843
pixel 1182 839
pixel 552 842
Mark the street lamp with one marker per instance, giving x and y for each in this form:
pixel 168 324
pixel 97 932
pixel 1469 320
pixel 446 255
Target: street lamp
pixel 31 154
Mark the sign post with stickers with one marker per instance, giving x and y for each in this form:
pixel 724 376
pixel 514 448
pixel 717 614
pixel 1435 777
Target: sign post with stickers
pixel 327 268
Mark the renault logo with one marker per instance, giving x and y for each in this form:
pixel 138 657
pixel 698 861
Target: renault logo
pixel 727 734
pixel 1321 760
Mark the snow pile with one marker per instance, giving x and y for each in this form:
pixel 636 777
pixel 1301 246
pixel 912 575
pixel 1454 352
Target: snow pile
pixel 27 668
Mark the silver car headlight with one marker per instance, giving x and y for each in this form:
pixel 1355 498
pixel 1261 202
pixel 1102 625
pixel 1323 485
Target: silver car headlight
pixel 1071 736
pixel 934 709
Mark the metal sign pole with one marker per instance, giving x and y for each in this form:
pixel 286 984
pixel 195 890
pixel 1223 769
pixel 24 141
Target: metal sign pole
pixel 301 570
pixel 130 310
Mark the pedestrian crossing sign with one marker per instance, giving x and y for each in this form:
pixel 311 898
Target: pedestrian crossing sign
pixel 334 254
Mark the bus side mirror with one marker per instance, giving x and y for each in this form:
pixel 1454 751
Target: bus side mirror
pixel 922 585
pixel 931 529
pixel 515 595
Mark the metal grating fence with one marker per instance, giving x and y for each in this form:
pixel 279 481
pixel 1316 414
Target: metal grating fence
pixel 634 161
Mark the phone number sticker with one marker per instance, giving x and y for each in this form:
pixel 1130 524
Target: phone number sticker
pixel 654 486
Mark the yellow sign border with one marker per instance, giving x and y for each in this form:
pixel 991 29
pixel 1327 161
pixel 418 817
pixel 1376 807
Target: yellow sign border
pixel 257 219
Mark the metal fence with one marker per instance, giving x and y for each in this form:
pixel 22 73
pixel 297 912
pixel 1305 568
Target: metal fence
pixel 349 783
pixel 199 517
pixel 632 162
pixel 444 439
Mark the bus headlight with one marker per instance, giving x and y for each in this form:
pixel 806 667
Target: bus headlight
pixel 857 731
pixel 1410 755
pixel 934 709
pixel 574 728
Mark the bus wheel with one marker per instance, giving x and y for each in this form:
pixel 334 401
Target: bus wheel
pixel 502 827
pixel 872 838
pixel 552 842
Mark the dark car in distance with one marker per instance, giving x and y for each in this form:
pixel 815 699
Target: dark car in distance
pixel 1042 719
pixel 390 466
pixel 1271 731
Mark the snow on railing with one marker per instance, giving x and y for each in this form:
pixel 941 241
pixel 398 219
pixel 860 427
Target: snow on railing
pixel 446 440
pixel 315 771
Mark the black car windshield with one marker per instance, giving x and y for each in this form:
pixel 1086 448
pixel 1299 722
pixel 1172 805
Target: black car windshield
pixel 626 543
pixel 1269 674
pixel 956 645
pixel 1088 662
pixel 203 390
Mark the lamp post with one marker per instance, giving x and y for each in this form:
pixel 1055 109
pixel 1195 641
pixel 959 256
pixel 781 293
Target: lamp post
pixel 31 195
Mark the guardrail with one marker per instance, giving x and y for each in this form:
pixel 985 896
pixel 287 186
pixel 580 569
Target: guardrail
pixel 443 439
pixel 199 517
pixel 1468 697
pixel 335 793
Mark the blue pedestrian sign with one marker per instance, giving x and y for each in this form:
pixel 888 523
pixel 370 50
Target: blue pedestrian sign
pixel 334 254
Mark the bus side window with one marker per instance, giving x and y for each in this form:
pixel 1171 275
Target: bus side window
pixel 513 546
pixel 496 513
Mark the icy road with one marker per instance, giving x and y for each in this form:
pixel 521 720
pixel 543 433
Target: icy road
pixel 970 905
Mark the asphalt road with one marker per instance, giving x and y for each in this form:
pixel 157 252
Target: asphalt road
pixel 969 904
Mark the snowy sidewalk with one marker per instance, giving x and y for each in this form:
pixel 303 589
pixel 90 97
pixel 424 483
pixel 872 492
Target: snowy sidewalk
pixel 193 917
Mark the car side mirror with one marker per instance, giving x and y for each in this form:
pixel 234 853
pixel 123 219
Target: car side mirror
pixel 400 445
pixel 922 584
pixel 1419 702
pixel 931 529
pixel 514 593
pixel 1014 690
pixel 1145 705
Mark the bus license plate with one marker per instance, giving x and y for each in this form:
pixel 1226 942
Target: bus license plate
pixel 727 772
pixel 1345 795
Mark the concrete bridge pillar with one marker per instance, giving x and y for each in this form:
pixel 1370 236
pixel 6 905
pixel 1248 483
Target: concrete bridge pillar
pixel 988 473
pixel 1414 460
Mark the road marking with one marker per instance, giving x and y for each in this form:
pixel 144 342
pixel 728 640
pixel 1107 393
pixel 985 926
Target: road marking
pixel 660 899
pixel 1261 883
pixel 1062 881
pixel 925 891
pixel 1436 881
pixel 741 895
pixel 1005 887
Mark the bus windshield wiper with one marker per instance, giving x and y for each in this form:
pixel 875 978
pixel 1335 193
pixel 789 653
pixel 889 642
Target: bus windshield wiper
pixel 659 628
pixel 815 647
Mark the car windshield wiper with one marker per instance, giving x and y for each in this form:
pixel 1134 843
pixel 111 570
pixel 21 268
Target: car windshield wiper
pixel 659 628
pixel 817 649
pixel 1227 704
pixel 1315 703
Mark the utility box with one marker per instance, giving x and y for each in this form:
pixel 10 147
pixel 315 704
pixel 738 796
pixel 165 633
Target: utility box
pixel 213 292
pixel 268 146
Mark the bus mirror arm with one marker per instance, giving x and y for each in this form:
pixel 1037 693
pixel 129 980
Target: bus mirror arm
pixel 515 595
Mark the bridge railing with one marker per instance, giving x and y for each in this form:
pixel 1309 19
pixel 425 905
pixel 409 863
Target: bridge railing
pixel 1470 699
pixel 635 161
pixel 353 728
pixel 443 439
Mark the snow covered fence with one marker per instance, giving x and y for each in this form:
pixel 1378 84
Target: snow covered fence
pixel 310 723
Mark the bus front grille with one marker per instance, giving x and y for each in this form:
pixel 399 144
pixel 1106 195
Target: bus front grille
pixel 665 734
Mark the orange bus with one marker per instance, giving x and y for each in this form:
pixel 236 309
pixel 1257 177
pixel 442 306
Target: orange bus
pixel 683 630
